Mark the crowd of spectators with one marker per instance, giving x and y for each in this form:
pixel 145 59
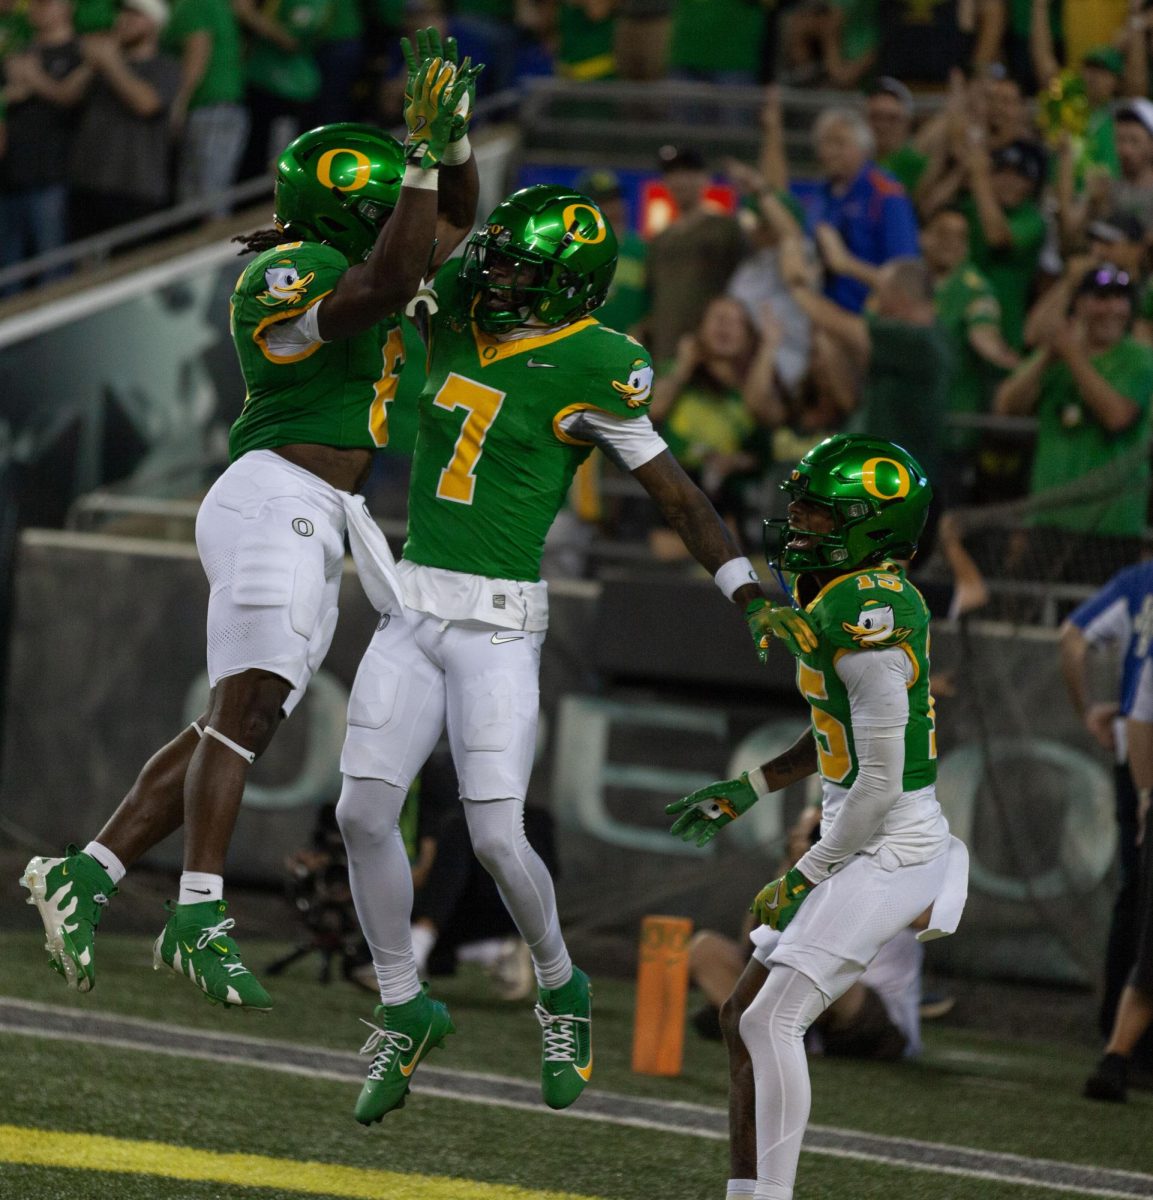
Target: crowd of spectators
pixel 990 257
pixel 935 279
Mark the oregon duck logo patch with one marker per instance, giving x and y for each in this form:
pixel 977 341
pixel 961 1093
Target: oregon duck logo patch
pixel 876 626
pixel 285 285
pixel 638 388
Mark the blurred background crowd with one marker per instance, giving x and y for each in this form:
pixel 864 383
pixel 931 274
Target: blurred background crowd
pixel 953 252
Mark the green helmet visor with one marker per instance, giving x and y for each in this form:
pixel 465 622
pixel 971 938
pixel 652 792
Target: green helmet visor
pixel 508 284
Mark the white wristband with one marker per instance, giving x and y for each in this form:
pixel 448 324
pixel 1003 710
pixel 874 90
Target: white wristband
pixel 419 177
pixel 456 152
pixel 758 782
pixel 735 574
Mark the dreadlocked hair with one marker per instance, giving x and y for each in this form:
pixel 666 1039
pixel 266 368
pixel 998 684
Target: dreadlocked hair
pixel 258 242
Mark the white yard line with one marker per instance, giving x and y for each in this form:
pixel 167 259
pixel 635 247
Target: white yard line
pixel 29 1019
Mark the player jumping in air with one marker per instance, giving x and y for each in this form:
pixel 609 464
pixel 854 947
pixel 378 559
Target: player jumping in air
pixel 885 853
pixel 522 385
pixel 315 320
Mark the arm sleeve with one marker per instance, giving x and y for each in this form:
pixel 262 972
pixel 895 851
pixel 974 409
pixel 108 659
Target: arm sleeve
pixel 900 227
pixel 1142 709
pixel 630 444
pixel 288 339
pixel 1105 616
pixel 877 683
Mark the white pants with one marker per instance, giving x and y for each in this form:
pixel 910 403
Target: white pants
pixel 420 674
pixel 271 541
pixel 836 933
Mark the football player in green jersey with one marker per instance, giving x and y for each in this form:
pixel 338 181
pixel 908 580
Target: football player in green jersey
pixel 857 509
pixel 315 322
pixel 523 383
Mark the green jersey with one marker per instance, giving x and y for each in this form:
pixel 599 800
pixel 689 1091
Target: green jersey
pixel 872 609
pixel 307 391
pixel 493 464
pixel 965 299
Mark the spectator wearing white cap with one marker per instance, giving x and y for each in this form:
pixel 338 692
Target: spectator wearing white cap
pixel 120 161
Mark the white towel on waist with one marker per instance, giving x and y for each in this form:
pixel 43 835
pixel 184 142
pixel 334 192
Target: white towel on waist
pixel 373 557
pixel 950 901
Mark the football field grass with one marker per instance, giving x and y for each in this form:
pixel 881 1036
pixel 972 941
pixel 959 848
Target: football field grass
pixel 163 1107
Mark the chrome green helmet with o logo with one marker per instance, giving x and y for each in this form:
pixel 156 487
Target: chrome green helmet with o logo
pixel 338 184
pixel 546 253
pixel 877 493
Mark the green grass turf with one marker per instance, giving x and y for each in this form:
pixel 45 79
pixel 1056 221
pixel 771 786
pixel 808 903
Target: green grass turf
pixel 970 1090
pixel 236 1109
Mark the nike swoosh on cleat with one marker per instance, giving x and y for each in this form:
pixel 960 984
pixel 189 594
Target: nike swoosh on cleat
pixel 406 1071
pixel 586 1073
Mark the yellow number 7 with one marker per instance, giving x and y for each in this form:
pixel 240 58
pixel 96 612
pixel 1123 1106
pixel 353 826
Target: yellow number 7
pixel 458 479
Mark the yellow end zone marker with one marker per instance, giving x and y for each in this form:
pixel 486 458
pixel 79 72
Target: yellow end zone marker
pixel 88 1152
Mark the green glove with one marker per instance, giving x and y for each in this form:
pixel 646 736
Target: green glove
pixel 704 813
pixel 429 114
pixel 417 58
pixel 426 49
pixel 767 620
pixel 776 903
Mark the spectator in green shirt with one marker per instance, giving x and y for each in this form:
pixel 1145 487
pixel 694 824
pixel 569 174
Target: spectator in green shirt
pixel 1102 69
pixel 898 346
pixel 283 75
pixel 717 41
pixel 208 112
pixel 998 194
pixel 1090 386
pixel 889 110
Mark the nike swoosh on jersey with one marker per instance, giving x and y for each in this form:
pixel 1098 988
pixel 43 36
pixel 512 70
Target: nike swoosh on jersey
pixel 532 362
pixel 499 639
pixel 407 1069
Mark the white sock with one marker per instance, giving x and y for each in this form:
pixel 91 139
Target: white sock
pixel 115 868
pixel 740 1187
pixel 197 887
pixel 423 940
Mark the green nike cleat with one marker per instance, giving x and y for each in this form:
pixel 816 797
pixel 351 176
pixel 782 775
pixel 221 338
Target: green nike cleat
pixel 194 945
pixel 565 1015
pixel 406 1033
pixel 70 894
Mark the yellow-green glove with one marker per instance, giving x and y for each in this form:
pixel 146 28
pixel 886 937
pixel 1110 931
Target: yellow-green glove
pixel 704 813
pixel 429 114
pixel 776 903
pixel 766 620
pixel 427 48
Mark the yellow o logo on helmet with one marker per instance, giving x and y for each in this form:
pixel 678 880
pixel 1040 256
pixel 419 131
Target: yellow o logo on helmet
pixel 570 215
pixel 363 169
pixel 869 479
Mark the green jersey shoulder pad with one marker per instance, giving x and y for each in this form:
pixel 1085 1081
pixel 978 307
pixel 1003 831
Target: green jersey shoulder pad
pixel 627 370
pixel 869 610
pixel 287 279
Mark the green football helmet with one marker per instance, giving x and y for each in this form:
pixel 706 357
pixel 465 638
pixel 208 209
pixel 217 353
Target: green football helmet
pixel 878 496
pixel 546 252
pixel 338 184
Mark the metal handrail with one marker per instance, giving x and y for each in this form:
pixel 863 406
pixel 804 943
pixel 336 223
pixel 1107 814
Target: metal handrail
pixel 100 245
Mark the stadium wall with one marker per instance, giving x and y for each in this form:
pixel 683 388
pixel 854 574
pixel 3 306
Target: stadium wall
pixel 650 690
